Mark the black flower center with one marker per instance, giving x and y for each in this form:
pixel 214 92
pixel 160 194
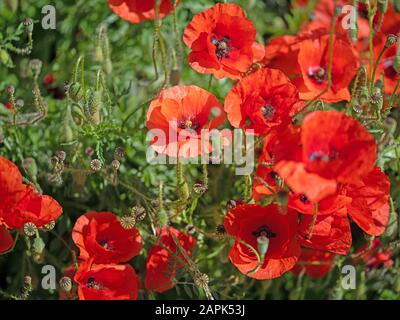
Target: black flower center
pixel 93 284
pixel 264 231
pixel 303 198
pixel 320 155
pixel 188 124
pixel 267 111
pixel 106 245
pixel 222 46
pixel 318 74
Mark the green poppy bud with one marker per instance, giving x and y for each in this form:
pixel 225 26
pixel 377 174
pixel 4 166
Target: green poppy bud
pixel 75 92
pixel 77 115
pixel 38 246
pixel 12 5
pixel 107 66
pixel 382 6
pixel 30 167
pixel 94 105
pixel 397 57
pixel 5 58
pixel 98 54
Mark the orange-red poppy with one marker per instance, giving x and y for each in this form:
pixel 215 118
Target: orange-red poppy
pixel 136 11
pixel 252 225
pixel 180 113
pixel 221 40
pixel 374 255
pixel 100 236
pixel 164 259
pixel 21 203
pixel 369 207
pixel 315 263
pixel 106 281
pixel 330 232
pixel 335 149
pixel 262 101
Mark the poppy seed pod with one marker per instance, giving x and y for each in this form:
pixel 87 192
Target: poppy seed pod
pixel 262 244
pixel 49 226
pixel 30 229
pixel 35 65
pixel 96 165
pixel 66 284
pixel 28 24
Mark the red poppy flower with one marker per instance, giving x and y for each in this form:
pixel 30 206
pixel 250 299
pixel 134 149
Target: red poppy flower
pixel 329 233
pixel 257 229
pixel 265 182
pixel 335 148
pixel 9 106
pixel 6 240
pixel 106 282
pixel 305 59
pixel 315 263
pixel 180 113
pixel 323 15
pixel 136 11
pixel 391 21
pixel 262 101
pixel 369 207
pixel 221 41
pixel 20 202
pixel 48 79
pixel 313 62
pixel 330 204
pixel 164 259
pixel 99 235
pixel 374 256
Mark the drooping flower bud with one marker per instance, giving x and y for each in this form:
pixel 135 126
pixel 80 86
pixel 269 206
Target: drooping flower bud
pixel 30 166
pixel 61 155
pixel 77 115
pixel 19 104
pixel 75 92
